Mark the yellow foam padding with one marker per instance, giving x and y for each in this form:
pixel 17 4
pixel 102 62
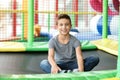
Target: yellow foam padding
pixel 111 79
pixel 11 46
pixel 108 45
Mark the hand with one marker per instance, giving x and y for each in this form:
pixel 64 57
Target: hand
pixel 55 69
pixel 80 70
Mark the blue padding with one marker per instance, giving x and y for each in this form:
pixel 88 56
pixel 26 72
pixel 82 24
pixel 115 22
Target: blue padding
pixel 74 30
pixel 45 34
pixel 80 36
pixel 99 25
pixel 87 36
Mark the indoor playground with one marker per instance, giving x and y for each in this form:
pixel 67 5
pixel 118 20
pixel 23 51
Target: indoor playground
pixel 26 26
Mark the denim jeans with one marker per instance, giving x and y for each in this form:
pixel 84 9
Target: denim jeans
pixel 89 64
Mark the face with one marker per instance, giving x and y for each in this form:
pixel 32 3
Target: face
pixel 64 26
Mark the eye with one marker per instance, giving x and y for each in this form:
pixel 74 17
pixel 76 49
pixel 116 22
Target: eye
pixel 61 24
pixel 67 24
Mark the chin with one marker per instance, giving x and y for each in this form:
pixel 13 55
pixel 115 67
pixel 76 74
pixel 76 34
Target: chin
pixel 64 34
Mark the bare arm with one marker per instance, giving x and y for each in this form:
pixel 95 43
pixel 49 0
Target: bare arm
pixel 79 59
pixel 54 67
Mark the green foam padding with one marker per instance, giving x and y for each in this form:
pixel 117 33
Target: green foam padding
pixel 43 46
pixel 92 75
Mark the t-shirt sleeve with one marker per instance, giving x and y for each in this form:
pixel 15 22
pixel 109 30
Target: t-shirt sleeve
pixel 51 43
pixel 77 43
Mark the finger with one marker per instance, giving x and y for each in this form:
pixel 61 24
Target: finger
pixel 59 69
pixel 54 72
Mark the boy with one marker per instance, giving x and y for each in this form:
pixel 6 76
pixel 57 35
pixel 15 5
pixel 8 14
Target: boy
pixel 65 51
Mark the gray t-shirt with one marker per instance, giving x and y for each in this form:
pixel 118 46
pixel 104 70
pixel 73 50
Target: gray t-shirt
pixel 64 52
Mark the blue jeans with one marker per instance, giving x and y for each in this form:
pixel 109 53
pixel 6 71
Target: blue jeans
pixel 89 64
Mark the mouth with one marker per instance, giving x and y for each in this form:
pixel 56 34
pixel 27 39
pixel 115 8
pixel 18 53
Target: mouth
pixel 64 31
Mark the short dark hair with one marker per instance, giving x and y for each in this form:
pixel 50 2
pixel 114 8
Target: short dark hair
pixel 64 16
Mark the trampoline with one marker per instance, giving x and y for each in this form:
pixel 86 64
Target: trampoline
pixel 26 66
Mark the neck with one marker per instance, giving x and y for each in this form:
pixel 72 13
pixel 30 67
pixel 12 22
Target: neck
pixel 64 37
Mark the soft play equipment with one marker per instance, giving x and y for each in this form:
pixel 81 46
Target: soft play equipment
pixel 30 45
pixel 113 6
pixel 96 24
pixel 37 29
pixel 94 75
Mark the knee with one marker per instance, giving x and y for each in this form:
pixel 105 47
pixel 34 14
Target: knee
pixel 91 62
pixel 43 63
pixel 95 59
pixel 45 66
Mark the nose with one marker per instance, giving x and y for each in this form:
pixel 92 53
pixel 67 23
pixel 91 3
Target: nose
pixel 64 26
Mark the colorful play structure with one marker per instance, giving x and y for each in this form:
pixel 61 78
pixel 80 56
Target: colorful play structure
pixel 33 24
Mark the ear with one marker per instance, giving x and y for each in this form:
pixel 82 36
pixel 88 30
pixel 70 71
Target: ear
pixel 71 26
